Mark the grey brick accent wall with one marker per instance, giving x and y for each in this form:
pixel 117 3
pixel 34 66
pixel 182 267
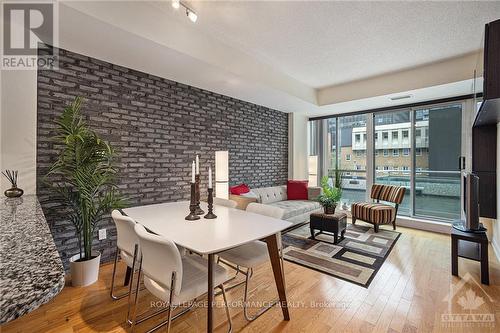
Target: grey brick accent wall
pixel 157 126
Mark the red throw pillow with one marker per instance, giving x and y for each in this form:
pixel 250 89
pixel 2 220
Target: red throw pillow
pixel 239 189
pixel 297 189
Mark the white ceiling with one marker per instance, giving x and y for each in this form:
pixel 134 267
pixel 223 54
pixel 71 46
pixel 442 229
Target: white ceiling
pixel 323 43
pixel 278 54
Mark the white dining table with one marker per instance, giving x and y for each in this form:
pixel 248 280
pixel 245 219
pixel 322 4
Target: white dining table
pixel 231 228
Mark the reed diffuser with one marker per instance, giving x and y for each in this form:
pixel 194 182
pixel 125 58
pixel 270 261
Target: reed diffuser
pixel 14 191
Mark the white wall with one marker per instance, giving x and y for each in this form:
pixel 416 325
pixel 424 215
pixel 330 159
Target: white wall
pixel 429 75
pixel 18 127
pixel 495 224
pixel 297 155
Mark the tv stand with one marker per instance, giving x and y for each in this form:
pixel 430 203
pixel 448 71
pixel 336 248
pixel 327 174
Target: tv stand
pixel 460 225
pixel 472 246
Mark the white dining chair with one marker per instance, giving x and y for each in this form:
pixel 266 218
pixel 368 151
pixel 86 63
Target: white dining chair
pixel 173 278
pixel 225 202
pixel 126 247
pixel 251 255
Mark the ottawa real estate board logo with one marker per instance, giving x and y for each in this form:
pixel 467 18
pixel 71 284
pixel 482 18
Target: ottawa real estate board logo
pixel 469 305
pixel 30 29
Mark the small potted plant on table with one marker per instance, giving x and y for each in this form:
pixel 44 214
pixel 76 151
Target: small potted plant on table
pixel 331 193
pixel 84 178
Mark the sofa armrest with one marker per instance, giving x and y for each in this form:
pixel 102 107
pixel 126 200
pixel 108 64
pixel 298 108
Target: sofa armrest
pixel 241 202
pixel 313 192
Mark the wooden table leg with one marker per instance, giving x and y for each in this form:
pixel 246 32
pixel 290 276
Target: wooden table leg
pixel 454 256
pixel 485 274
pixel 279 278
pixel 210 292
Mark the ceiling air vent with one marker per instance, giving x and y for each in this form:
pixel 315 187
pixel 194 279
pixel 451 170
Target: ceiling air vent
pixel 397 98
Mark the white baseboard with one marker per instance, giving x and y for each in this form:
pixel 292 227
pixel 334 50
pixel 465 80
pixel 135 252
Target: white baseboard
pixel 496 248
pixel 434 226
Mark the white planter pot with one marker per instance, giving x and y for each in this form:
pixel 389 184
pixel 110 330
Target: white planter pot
pixel 84 273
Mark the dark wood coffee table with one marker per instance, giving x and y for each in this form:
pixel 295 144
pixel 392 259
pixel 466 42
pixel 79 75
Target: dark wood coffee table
pixel 334 223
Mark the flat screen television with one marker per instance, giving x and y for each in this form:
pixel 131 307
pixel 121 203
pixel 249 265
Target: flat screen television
pixel 471 202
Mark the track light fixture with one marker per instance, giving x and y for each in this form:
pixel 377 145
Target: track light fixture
pixel 176 4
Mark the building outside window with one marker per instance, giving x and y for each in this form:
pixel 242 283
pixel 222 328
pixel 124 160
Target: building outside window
pixel 413 131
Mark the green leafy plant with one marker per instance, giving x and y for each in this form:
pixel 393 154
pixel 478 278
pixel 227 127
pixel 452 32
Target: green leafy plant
pixel 84 176
pixel 331 194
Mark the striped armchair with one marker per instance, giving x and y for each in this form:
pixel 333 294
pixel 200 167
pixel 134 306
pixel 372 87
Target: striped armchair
pixel 379 213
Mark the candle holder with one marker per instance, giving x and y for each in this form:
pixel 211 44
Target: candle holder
pixel 210 214
pixel 192 206
pixel 198 210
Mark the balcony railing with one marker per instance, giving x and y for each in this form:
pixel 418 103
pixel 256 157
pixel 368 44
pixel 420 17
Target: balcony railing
pixel 437 193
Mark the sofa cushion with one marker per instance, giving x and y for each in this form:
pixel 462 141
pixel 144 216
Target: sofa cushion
pixel 376 213
pixel 267 195
pixel 297 189
pixel 296 207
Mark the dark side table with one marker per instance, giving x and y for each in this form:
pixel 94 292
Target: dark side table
pixel 334 223
pixel 473 246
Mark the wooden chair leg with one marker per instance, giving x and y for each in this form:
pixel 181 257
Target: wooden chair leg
pixel 353 220
pixel 375 226
pixel 394 225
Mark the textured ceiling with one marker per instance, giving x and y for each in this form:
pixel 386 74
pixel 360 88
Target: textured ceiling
pixel 327 43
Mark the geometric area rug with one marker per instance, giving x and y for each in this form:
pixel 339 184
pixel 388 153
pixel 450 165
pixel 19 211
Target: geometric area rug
pixel 356 259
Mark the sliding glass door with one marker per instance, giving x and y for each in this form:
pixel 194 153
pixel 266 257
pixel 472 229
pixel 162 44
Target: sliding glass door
pixel 393 149
pixel 437 153
pixel 352 157
pixel 418 148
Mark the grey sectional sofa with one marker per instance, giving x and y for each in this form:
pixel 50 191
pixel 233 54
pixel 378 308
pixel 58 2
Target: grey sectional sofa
pixel 296 211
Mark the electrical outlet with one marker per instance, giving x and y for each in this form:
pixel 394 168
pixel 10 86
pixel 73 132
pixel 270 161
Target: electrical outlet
pixel 102 234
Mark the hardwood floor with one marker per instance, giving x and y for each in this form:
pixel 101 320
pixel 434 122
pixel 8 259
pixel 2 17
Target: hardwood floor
pixel 408 294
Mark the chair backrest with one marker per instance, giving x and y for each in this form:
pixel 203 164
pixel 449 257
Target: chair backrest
pixel 389 193
pixel 266 210
pixel 225 202
pixel 126 239
pixel 160 258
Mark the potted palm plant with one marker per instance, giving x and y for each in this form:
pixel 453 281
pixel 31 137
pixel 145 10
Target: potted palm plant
pixel 84 179
pixel 331 194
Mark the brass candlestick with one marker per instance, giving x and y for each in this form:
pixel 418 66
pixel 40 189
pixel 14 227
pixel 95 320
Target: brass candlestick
pixel 210 214
pixel 198 210
pixel 192 206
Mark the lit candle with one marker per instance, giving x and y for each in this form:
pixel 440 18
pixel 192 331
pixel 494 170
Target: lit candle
pixel 197 165
pixel 210 177
pixel 192 172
